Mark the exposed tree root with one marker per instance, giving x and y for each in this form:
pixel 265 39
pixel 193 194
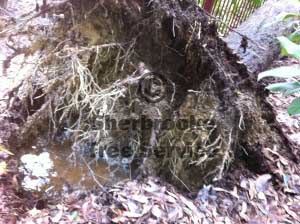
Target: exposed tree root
pixel 97 71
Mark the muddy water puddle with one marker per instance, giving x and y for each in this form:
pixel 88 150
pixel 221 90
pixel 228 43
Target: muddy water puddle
pixel 56 168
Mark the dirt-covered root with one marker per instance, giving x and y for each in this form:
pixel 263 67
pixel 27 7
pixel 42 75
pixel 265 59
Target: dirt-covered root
pixel 134 62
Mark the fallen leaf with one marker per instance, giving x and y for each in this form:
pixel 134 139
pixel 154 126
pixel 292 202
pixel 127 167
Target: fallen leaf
pixel 3 168
pixel 133 207
pixel 157 212
pixel 252 190
pixel 290 212
pixel 140 198
pixel 57 217
pixel 3 149
pixel 262 181
pixel 261 196
pixel 132 214
pixel 34 212
pixel 120 219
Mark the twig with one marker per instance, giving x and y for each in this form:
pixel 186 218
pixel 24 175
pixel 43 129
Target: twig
pixel 93 175
pixel 180 180
pixel 226 156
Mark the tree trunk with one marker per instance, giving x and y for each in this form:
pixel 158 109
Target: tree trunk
pixel 197 81
pixel 263 26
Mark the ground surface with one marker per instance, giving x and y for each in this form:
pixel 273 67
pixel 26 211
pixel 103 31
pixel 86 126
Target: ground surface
pixel 240 197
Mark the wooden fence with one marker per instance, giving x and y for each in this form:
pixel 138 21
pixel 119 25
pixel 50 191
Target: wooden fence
pixel 230 12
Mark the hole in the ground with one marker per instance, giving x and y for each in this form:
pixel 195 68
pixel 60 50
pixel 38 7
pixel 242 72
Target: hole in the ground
pixel 38 99
pixel 253 161
pixel 56 167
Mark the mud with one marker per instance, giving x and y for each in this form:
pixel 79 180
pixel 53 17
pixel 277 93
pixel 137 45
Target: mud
pixel 56 168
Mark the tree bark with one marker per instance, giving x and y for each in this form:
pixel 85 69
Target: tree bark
pixel 263 26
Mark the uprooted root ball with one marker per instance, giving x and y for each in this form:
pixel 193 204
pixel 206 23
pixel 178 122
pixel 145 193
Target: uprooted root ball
pixel 124 64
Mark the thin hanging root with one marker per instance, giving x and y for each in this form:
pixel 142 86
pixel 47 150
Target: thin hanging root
pixel 174 174
pixel 241 122
pixel 226 158
pixel 87 92
pixel 93 175
pixel 71 88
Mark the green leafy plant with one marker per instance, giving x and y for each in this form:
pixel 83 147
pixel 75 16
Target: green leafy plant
pixel 294 25
pixel 288 48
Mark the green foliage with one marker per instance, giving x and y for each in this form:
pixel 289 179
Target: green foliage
pixel 257 2
pixel 281 72
pixel 287 72
pixel 294 107
pixel 294 25
pixel 286 16
pixel 283 86
pixel 288 88
pixel 288 48
pixel 295 37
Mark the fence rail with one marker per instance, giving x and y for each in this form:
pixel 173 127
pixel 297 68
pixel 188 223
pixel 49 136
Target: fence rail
pixel 230 12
